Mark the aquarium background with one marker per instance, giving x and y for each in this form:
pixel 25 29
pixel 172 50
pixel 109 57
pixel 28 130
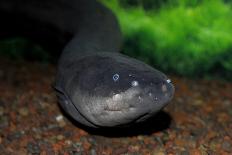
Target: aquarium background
pixel 179 37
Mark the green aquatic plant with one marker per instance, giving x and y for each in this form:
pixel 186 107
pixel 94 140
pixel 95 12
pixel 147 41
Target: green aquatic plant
pixel 183 37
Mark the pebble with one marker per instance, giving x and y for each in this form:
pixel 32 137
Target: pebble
pixel 86 145
pixel 75 153
pixel 60 137
pixel 77 144
pixel 140 137
pixel 4 122
pixel 60 120
pixel 230 111
pixel 93 152
pixel 92 141
pixel 159 151
pixel 23 111
pixel 38 136
pixel 158 140
pixel 77 147
pixel 134 148
pixel 68 142
pixel 67 134
pixel 2 103
pixel 184 153
pixel 226 146
pixel 52 139
pixel 33 148
pixel 195 152
pixel 198 102
pixel 15 135
pixel 122 150
pixel 180 142
pixel 1 111
pixel 51 127
pixel 227 102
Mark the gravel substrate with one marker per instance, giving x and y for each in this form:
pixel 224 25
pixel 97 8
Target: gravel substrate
pixel 198 121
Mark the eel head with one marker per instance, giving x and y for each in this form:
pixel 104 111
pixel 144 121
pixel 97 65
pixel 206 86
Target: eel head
pixel 112 89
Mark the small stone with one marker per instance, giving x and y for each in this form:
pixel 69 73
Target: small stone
pixel 43 153
pixel 33 148
pixel 1 111
pixel 195 152
pixel 77 144
pixel 92 141
pixel 227 102
pixel 68 142
pixel 134 148
pixel 67 134
pixel 211 134
pixel 159 151
pixel 213 145
pixel 23 111
pixel 83 133
pixel 184 152
pixel 4 122
pixel 60 120
pixel 21 151
pixel 86 145
pixel 230 111
pixel 180 142
pixel 60 137
pixel 38 136
pixel 93 152
pixel 51 127
pixel 198 102
pixel 77 147
pixel 223 117
pixel 226 146
pixel 15 135
pixel 62 123
pixel 140 137
pixel 121 150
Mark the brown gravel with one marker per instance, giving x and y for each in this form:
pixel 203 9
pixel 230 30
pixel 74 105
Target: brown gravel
pixel 196 122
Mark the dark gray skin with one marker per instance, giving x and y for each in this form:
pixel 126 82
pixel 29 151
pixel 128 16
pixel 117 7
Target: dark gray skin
pixel 96 85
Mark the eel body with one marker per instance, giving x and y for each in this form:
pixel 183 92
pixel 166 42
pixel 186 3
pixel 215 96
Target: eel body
pixel 95 84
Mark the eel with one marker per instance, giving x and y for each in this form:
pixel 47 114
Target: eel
pixel 95 84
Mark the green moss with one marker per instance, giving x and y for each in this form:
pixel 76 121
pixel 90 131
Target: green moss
pixel 182 37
